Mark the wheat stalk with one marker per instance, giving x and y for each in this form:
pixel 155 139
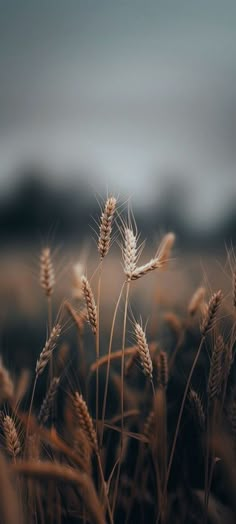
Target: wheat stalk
pixel 196 301
pixel 234 288
pixel 105 228
pixel 48 401
pixel 47 274
pixel 129 252
pixel 162 369
pixel 6 384
pixel 84 419
pixel 158 262
pixel 215 375
pixel 11 437
pixel 68 476
pixel 90 303
pixel 163 253
pixel 149 425
pixel 143 350
pixel 197 407
pixel 46 353
pixel 209 318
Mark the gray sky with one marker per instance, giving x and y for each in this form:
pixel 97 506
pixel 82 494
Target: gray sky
pixel 132 90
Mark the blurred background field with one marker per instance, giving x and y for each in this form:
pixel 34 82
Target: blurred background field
pixel 131 98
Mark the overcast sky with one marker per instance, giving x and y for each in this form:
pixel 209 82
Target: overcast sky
pixel 134 91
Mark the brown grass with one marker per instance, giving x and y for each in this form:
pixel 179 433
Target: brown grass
pixel 101 445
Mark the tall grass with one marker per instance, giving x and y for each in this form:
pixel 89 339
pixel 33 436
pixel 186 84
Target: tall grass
pixel 140 438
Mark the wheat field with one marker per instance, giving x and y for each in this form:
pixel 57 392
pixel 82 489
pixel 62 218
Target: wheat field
pixel 118 402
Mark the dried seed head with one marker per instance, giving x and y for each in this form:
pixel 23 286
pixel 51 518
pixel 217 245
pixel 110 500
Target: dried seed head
pixel 149 425
pixel 215 375
pixel 47 275
pixel 140 271
pixel 162 369
pixel 106 227
pixel 234 288
pixel 48 401
pixel 6 384
pixel 174 323
pixel 83 448
pixel 196 301
pixel 209 318
pixel 197 408
pixel 165 248
pixel 227 361
pixel 84 420
pixel 11 437
pixel 50 345
pixel 33 447
pixel 90 303
pixel 143 350
pixel 78 270
pixel 130 254
pixel 158 262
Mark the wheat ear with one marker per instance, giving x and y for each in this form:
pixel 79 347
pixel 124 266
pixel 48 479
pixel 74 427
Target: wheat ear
pixel 143 350
pixel 105 228
pixel 48 401
pixel 84 419
pixel 11 437
pixel 6 384
pixel 209 318
pixel 90 303
pixel 197 407
pixel 46 353
pixel 196 301
pixel 234 288
pixel 215 375
pixel 159 261
pixel 47 275
pixel 129 253
pixel 162 369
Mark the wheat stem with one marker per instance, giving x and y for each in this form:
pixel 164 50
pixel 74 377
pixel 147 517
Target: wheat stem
pixel 108 360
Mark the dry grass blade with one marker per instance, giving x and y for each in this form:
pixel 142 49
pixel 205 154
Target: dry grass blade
pixel 58 472
pixel 106 227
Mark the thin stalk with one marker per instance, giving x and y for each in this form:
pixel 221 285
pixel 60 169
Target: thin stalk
pixel 98 342
pixel 122 393
pixel 31 405
pixel 49 302
pixel 104 488
pixel 123 364
pixel 180 416
pixel 212 463
pixel 109 363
